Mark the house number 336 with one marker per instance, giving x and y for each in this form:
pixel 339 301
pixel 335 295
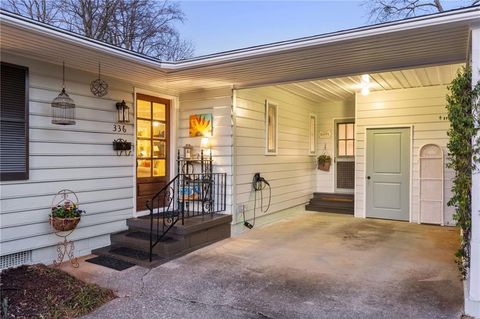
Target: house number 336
pixel 119 128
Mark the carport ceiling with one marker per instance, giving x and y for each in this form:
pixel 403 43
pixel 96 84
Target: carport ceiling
pixel 339 89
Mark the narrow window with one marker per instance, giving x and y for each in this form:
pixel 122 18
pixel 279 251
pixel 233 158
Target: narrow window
pixel 313 135
pixel 271 126
pixel 13 122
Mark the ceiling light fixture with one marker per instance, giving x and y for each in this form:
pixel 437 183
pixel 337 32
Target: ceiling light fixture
pixel 365 84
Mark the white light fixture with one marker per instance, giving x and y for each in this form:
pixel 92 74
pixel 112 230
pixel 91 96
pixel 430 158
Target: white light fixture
pixel 205 143
pixel 365 91
pixel 365 84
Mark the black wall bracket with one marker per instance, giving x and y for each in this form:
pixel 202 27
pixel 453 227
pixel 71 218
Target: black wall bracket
pixel 122 147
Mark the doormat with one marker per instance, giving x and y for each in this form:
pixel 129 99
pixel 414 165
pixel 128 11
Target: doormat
pixel 110 262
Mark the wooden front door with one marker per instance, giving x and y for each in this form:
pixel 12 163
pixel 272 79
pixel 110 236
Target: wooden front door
pixel 152 147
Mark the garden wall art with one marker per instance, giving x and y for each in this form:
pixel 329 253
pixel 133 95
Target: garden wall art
pixel 201 125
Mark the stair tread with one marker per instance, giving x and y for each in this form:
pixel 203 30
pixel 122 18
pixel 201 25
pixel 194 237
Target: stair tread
pixel 330 208
pixel 115 252
pixel 191 224
pixel 334 199
pixel 146 236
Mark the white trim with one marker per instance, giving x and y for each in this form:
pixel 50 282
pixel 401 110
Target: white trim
pixel 454 16
pixel 474 272
pixel 334 155
pixel 352 34
pixel 315 138
pixel 234 157
pixel 269 103
pixel 173 121
pixel 410 126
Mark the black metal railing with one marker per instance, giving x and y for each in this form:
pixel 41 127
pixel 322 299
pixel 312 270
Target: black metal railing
pixel 187 195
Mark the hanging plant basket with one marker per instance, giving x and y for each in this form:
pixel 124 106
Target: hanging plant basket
pixel 64 224
pixel 324 162
pixel 65 214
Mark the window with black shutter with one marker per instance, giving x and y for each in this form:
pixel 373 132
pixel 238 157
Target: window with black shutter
pixel 13 122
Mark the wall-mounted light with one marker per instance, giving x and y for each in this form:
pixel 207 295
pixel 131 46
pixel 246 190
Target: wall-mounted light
pixel 205 145
pixel 123 116
pixel 365 84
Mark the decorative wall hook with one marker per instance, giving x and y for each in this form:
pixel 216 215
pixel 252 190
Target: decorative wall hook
pixel 122 147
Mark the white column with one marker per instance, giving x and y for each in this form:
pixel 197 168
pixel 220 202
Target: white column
pixel 474 278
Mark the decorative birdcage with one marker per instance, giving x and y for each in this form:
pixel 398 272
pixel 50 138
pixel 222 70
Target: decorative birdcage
pixel 63 107
pixel 99 87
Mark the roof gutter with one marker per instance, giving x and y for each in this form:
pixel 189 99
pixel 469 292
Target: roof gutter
pixel 454 16
pixel 72 38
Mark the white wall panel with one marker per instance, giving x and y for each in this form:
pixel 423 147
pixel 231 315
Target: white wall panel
pixel 424 109
pixel 78 157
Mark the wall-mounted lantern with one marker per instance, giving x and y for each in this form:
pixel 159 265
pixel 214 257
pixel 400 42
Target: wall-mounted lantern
pixel 187 151
pixel 63 107
pixel 123 116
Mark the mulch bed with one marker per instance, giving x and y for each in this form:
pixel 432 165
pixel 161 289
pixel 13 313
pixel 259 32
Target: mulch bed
pixel 37 291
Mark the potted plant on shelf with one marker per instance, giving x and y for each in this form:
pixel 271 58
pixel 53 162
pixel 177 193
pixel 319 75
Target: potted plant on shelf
pixel 65 216
pixel 324 162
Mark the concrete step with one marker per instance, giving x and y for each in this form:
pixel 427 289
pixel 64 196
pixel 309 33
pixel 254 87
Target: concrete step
pixel 167 247
pixel 133 245
pixel 329 209
pixel 128 254
pixel 331 203
pixel 335 197
pixel 191 224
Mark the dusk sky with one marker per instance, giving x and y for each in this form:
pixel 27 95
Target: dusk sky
pixel 215 26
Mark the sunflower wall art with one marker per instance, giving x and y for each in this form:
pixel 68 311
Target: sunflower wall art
pixel 201 125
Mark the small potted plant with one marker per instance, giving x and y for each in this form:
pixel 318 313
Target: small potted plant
pixel 324 162
pixel 65 216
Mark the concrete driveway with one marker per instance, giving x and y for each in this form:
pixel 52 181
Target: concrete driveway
pixel 312 265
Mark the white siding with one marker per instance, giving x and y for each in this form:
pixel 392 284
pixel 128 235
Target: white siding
pixel 291 173
pixel 327 113
pixel 218 102
pixel 78 157
pixel 423 108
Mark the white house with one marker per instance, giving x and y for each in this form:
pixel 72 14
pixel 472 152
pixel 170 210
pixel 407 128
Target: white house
pixel 275 108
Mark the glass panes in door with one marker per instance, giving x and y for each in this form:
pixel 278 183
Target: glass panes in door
pixel 346 139
pixel 151 138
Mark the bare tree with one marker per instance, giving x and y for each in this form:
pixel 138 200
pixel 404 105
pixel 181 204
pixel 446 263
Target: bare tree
pixel 387 10
pixel 46 11
pixel 143 26
pixel 148 27
pixel 91 18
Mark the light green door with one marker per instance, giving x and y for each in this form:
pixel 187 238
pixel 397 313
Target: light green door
pixel 388 173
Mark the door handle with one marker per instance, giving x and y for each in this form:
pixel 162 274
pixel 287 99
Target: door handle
pixel 368 177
